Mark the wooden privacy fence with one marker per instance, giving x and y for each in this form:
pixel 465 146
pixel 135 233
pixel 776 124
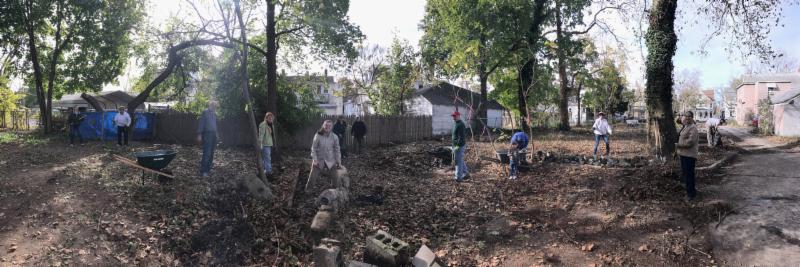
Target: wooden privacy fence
pixel 380 129
pixel 19 120
pixel 179 127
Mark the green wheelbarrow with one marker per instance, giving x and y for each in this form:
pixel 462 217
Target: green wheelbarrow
pixel 152 162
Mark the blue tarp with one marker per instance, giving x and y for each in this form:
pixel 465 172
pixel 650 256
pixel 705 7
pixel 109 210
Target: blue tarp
pixel 96 125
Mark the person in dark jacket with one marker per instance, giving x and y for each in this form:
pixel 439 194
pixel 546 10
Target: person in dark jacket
pixel 74 121
pixel 340 129
pixel 459 145
pixel 207 136
pixel 359 130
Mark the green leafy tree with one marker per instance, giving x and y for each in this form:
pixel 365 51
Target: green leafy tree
pixel 72 45
pixel 395 83
pixel 766 123
pixel 472 37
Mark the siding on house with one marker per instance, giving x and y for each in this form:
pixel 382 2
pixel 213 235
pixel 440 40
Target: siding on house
pixel 755 88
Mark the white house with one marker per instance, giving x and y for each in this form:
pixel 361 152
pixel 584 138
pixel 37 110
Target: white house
pixel 325 91
pixel 786 112
pixel 440 100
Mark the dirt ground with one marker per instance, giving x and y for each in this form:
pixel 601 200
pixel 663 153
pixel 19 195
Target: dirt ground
pixel 63 205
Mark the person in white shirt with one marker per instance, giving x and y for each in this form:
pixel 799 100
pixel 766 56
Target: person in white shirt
pixel 123 122
pixel 712 133
pixel 602 130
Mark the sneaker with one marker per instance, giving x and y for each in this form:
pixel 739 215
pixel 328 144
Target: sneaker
pixel 205 175
pixel 466 177
pixel 513 177
pixel 459 180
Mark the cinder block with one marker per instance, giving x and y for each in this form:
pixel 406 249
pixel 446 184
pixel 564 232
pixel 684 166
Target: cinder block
pixel 326 255
pixel 424 258
pixel 385 250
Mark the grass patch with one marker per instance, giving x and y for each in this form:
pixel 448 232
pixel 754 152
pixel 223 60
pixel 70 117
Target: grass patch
pixel 25 138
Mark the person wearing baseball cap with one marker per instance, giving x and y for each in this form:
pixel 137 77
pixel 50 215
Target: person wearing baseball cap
pixel 687 147
pixel 459 144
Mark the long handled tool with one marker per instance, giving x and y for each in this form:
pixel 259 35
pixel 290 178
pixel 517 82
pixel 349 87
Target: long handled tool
pixel 132 163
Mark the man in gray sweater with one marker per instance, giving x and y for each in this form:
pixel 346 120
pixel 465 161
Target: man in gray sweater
pixel 207 136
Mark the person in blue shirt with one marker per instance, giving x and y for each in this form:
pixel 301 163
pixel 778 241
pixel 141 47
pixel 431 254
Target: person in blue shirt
pixel 519 144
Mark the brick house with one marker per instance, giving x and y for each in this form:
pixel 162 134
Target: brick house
pixel 760 86
pixel 786 112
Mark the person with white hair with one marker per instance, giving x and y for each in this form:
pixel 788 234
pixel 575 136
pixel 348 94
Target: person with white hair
pixel 687 150
pixel 326 157
pixel 207 137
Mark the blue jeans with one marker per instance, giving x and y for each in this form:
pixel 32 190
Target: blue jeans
pixel 514 157
pixel 73 132
pixel 209 143
pixel 687 168
pixel 461 166
pixel 266 152
pixel 597 138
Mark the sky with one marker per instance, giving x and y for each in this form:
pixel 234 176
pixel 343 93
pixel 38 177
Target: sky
pixel 380 20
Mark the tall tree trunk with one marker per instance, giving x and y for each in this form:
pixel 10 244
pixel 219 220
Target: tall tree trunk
pixel 661 45
pixel 51 75
pixel 525 82
pixel 37 68
pixel 578 100
pixel 563 90
pixel 246 94
pixel 272 55
pixel 482 105
pixel 528 71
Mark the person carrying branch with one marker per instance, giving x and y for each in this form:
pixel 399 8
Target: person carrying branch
pixel 687 147
pixel 207 137
pixel 74 120
pixel 602 130
pixel 326 157
pixel 266 137
pixel 712 133
pixel 123 122
pixel 459 145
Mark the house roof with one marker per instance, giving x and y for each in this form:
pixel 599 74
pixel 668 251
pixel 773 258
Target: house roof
pixel 771 77
pixel 787 96
pixel 310 78
pixel 709 94
pixel 444 93
pixel 118 98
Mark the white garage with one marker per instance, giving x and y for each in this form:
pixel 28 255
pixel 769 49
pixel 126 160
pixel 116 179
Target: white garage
pixel 440 100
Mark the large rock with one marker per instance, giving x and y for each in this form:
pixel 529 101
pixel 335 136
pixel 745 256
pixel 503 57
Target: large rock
pixel 321 222
pixel 255 188
pixel 335 198
pixel 385 250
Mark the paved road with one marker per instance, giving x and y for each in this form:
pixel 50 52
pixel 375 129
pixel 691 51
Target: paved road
pixel 764 188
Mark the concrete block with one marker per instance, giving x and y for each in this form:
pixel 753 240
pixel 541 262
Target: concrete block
pixel 385 250
pixel 327 255
pixel 424 257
